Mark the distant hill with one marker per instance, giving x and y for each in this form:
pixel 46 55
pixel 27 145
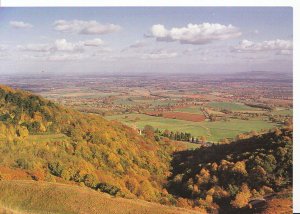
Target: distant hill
pixel 273 76
pixel 52 143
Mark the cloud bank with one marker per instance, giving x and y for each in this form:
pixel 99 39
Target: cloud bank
pixel 61 45
pixel 196 34
pixel 283 47
pixel 85 27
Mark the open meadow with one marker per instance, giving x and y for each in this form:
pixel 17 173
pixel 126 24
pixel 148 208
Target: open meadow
pixel 213 131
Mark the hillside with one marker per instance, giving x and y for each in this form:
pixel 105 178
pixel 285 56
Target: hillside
pixel 228 176
pixel 33 197
pixel 52 143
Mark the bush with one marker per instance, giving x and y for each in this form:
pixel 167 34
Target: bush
pixel 110 189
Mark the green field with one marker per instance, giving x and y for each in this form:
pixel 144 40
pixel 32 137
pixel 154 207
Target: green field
pixel 230 129
pixel 191 109
pixel 285 112
pixel 232 106
pixel 214 131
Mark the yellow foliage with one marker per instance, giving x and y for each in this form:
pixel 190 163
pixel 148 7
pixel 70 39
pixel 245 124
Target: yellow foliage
pixel 146 191
pixel 209 199
pixel 242 198
pixel 38 117
pixel 240 167
pixel 113 159
pixel 265 190
pixel 203 176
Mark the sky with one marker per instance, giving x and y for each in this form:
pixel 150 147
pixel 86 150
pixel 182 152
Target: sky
pixel 146 40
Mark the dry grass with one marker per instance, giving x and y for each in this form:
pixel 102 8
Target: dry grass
pixel 282 203
pixel 34 197
pixel 282 206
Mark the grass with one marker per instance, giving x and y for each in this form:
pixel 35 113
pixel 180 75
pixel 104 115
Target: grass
pixel 159 122
pixel 214 131
pixel 230 129
pixel 191 109
pixel 232 106
pixel 43 197
pixel 285 112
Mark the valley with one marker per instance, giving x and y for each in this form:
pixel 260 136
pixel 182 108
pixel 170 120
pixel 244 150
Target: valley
pixel 152 139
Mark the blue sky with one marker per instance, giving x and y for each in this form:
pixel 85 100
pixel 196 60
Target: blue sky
pixel 182 39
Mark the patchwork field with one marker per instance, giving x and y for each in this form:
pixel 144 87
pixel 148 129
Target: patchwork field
pixel 232 106
pixel 214 131
pixel 199 106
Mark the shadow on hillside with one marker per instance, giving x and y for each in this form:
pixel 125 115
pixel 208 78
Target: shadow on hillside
pixel 215 153
pixel 186 164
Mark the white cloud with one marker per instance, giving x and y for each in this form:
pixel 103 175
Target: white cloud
pixel 281 46
pixel 35 47
pixel 159 54
pixel 61 45
pixel 20 24
pixel 196 34
pixel 94 42
pixel 85 27
pixel 63 50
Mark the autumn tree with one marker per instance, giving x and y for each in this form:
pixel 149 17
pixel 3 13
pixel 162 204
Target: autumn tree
pixel 149 131
pixel 242 198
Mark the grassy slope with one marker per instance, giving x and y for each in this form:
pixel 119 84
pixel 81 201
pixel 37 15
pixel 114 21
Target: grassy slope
pixel 43 197
pixel 213 130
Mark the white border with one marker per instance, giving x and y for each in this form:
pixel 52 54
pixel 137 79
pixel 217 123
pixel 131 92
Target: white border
pixel 145 3
pixel 244 3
